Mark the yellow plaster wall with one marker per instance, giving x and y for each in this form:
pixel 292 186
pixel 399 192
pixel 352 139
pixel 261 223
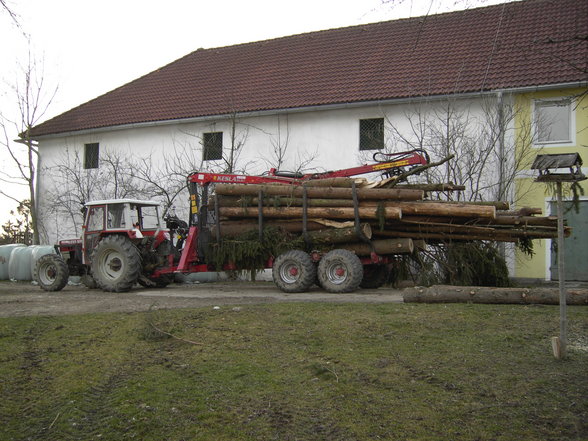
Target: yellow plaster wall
pixel 531 194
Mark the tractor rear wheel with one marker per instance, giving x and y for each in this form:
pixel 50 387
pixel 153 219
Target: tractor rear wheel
pixel 116 264
pixel 340 271
pixel 51 272
pixel 294 271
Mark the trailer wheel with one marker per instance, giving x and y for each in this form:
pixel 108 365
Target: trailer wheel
pixel 116 264
pixel 374 276
pixel 294 271
pixel 51 272
pixel 340 271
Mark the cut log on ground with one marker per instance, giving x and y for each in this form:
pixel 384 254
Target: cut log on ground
pixel 475 294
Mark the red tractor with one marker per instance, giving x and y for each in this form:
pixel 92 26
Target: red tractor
pixel 124 242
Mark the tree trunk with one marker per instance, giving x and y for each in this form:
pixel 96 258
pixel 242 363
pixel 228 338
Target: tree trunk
pixel 432 187
pixel 319 192
pixel 340 235
pixel 449 236
pixel 336 182
pixel 439 209
pixel 390 213
pixel 382 247
pixel 278 201
pixel 230 229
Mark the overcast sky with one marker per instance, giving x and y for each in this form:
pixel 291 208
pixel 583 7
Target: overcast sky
pixel 91 47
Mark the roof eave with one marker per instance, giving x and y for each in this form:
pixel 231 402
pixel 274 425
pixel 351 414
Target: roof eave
pixel 320 107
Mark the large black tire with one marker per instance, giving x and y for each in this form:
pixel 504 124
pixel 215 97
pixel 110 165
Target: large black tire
pixel 116 264
pixel 374 276
pixel 51 272
pixel 340 271
pixel 294 271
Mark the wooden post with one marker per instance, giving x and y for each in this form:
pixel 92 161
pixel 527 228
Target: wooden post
pixel 549 167
pixel 560 349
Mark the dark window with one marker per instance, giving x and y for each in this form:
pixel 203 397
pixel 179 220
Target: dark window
pixel 213 146
pixel 91 155
pixel 371 134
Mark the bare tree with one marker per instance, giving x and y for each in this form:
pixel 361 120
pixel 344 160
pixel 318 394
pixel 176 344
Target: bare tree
pixel 237 138
pixel 118 175
pixel 280 156
pixel 72 185
pixel 166 180
pixel 482 143
pixel 10 11
pixel 33 97
pixel 279 144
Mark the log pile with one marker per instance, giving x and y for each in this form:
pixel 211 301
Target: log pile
pixel 349 214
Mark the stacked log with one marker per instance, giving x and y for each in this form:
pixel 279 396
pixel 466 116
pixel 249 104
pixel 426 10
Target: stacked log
pixel 386 221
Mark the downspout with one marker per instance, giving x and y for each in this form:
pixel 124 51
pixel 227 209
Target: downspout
pixel 37 194
pixel 501 158
pixel 501 147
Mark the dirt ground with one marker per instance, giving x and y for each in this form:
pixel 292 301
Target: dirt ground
pixel 26 299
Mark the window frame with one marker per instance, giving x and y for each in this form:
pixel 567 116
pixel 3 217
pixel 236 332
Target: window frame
pixel 91 227
pixel 365 144
pixel 207 139
pixel 91 160
pixel 544 102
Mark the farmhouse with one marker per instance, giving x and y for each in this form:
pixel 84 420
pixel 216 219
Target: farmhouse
pixel 493 85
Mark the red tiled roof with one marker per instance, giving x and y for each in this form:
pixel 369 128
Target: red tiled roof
pixel 526 43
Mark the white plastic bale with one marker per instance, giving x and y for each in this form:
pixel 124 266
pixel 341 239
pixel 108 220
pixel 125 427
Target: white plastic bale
pixel 5 252
pixel 40 251
pixel 20 265
pixel 203 277
pixel 23 259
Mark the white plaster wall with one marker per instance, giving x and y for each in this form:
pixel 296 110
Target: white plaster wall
pixel 330 137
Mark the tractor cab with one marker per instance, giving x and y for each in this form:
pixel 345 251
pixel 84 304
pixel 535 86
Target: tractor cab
pixel 122 214
pixel 136 219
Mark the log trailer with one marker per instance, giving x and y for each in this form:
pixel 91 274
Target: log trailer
pixel 124 242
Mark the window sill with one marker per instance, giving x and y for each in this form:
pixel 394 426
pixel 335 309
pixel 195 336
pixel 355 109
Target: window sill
pixel 540 145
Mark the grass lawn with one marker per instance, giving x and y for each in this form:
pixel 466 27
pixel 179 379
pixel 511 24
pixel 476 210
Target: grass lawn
pixel 296 372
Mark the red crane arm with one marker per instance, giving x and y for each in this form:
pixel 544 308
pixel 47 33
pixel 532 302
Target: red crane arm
pixel 393 161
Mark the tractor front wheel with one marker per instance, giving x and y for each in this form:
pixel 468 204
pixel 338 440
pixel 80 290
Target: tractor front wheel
pixel 116 264
pixel 51 272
